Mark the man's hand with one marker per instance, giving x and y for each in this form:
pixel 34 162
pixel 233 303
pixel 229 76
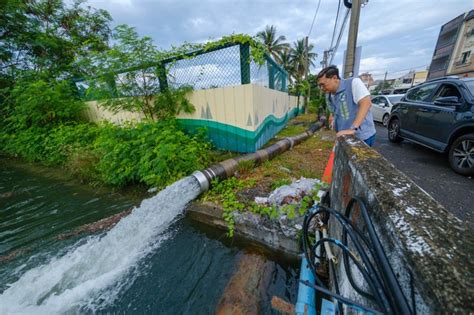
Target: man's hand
pixel 345 132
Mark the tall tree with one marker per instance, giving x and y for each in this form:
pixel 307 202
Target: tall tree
pixel 298 57
pixel 120 71
pixel 287 64
pixel 274 44
pixel 48 35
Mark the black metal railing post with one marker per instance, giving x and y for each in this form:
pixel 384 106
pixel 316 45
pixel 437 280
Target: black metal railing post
pixel 244 63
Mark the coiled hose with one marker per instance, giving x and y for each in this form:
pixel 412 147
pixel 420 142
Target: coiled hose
pixel 373 264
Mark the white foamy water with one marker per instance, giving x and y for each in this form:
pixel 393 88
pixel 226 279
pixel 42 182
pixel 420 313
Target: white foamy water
pixel 98 268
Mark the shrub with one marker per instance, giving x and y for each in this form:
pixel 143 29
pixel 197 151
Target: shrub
pixel 154 153
pixel 42 104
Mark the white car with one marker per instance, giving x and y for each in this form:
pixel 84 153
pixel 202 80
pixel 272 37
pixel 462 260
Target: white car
pixel 382 105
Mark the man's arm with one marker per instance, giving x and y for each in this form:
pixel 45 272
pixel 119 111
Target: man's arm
pixel 364 107
pixel 362 97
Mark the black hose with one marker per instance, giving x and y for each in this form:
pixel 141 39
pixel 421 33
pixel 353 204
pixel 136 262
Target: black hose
pixel 352 304
pixel 374 286
pixel 348 269
pixel 336 285
pixel 385 289
pixel 312 253
pixel 372 276
pixel 307 252
pixel 401 302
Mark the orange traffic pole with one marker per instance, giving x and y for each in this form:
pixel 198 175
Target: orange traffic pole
pixel 327 175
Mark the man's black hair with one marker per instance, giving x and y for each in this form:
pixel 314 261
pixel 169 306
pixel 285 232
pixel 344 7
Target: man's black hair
pixel 329 72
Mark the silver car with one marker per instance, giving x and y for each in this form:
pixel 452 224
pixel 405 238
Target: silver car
pixel 382 105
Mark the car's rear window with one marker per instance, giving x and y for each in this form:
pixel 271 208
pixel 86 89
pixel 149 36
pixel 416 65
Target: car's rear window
pixel 395 99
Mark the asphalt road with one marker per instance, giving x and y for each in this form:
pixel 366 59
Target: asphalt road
pixel 430 170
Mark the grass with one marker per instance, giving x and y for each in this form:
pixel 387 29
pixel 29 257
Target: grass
pixel 308 159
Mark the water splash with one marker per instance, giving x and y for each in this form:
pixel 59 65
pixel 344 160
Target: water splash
pixel 98 268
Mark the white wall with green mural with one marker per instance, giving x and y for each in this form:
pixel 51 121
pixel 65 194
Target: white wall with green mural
pixel 239 118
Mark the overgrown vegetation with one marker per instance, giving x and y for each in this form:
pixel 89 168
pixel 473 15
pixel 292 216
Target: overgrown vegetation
pixel 155 154
pixel 39 103
pixel 120 78
pixel 47 46
pixel 225 193
pixel 308 159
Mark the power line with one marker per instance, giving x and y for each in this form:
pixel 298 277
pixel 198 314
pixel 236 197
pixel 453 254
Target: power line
pixel 343 26
pixel 335 24
pixel 314 18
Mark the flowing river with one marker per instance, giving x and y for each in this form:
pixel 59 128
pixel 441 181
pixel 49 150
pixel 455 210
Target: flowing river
pixel 152 261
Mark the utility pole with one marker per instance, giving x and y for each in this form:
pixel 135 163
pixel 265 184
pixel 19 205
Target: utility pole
pixel 352 39
pixel 324 63
pixel 307 95
pixel 384 79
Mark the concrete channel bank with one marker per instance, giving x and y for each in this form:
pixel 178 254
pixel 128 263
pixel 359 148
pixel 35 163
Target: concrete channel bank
pixel 430 250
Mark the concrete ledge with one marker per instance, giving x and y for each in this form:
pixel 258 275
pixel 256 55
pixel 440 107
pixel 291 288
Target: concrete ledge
pixel 252 227
pixel 430 250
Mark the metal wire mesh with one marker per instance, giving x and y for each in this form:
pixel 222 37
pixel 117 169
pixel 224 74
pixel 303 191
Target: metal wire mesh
pixel 213 69
pixel 259 74
pixel 221 67
pixel 269 74
pixel 143 81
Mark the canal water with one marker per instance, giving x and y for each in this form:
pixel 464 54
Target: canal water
pixel 153 261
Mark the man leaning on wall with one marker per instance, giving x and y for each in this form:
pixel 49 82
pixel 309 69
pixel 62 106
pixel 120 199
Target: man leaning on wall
pixel 350 103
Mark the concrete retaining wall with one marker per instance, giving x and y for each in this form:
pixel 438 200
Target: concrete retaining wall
pixel 247 225
pixel 430 250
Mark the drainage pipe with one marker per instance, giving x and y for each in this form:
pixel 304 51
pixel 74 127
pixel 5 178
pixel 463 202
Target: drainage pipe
pixel 228 167
pixel 306 304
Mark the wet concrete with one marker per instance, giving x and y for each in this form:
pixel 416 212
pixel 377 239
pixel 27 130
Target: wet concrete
pixel 247 225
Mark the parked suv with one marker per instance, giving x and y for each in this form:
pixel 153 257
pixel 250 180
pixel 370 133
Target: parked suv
pixel 438 114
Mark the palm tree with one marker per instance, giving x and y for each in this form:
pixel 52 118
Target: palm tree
pixel 287 64
pixel 298 57
pixel 274 44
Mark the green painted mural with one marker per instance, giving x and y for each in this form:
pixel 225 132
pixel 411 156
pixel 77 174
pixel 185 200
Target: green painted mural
pixel 228 137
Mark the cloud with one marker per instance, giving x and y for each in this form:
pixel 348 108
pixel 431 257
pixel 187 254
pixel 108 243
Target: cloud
pixel 394 34
pixel 376 64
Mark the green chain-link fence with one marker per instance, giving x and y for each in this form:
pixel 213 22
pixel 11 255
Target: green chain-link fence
pixel 222 66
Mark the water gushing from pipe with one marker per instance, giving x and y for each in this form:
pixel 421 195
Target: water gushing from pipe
pixel 98 268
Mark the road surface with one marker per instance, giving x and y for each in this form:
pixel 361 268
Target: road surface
pixel 430 170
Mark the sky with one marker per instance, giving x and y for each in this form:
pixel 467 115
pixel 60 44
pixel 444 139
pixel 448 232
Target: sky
pixel 395 36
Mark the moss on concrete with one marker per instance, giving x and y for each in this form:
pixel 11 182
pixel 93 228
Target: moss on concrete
pixel 425 244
